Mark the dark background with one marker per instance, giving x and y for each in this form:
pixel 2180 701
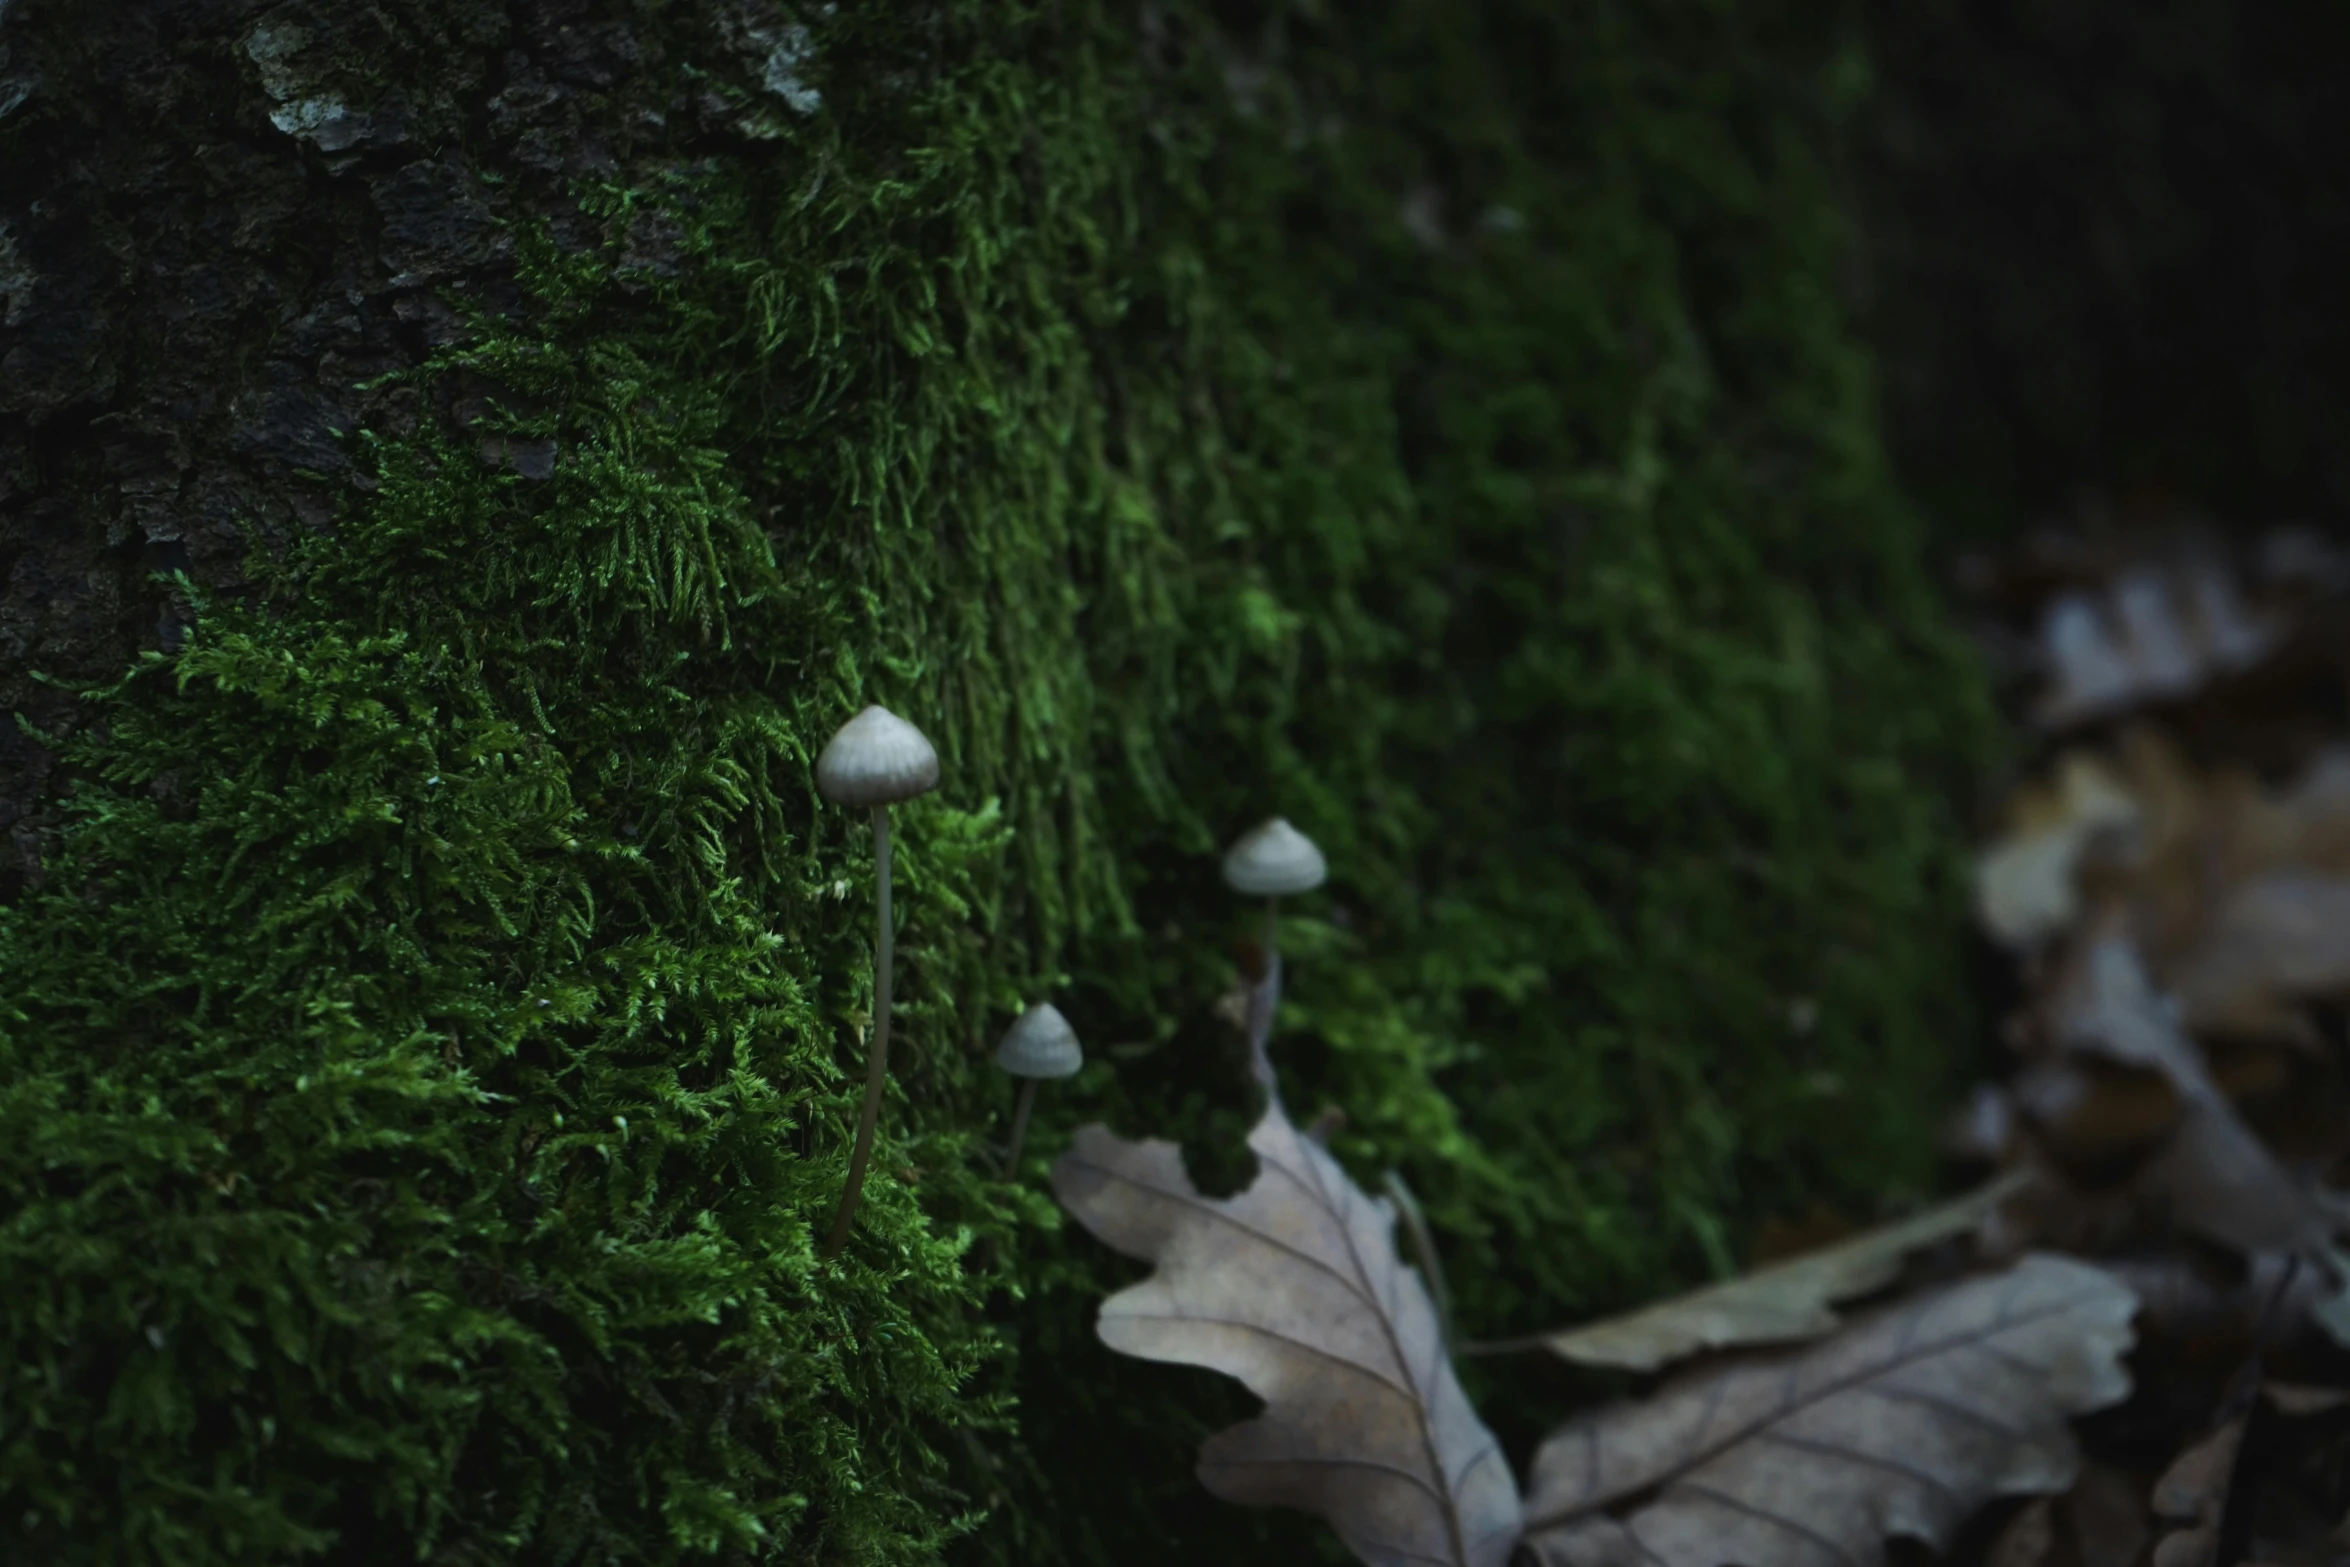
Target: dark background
pixel 2110 257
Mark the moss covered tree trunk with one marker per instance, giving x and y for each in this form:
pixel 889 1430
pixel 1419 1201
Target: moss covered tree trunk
pixel 459 459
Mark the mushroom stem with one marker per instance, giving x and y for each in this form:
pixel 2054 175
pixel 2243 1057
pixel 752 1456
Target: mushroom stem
pixel 1020 1125
pixel 1264 999
pixel 877 1057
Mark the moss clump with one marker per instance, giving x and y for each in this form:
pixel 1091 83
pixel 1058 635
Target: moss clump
pixel 432 1052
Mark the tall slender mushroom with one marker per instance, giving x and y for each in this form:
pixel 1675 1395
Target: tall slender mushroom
pixel 874 762
pixel 1271 861
pixel 1038 1045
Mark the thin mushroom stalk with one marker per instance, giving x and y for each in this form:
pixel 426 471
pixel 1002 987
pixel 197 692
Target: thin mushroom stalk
pixel 877 1051
pixel 1027 1105
pixel 876 760
pixel 1271 861
pixel 1273 945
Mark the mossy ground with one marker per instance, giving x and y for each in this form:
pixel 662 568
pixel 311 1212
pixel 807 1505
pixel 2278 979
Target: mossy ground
pixel 431 1056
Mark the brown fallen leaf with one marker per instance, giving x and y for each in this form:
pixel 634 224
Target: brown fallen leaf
pixel 1981 1131
pixel 2095 1117
pixel 2153 636
pixel 2053 1213
pixel 2199 839
pixel 2250 1069
pixel 2304 827
pixel 2197 1545
pixel 2193 1492
pixel 2278 940
pixel 2107 1510
pixel 2213 1175
pixel 1904 1423
pixel 2181 1301
pixel 2299 1400
pixel 2169 883
pixel 2195 1486
pixel 2106 1004
pixel 2028 1539
pixel 2332 1310
pixel 2090 672
pixel 2024 890
pixel 1294 1287
pixel 1783 1303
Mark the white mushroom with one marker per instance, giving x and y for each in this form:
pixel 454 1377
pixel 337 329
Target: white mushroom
pixel 1271 861
pixel 875 761
pixel 1038 1045
pixel 1274 861
pixel 877 758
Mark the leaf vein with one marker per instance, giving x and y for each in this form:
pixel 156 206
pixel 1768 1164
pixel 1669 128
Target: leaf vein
pixel 1291 1339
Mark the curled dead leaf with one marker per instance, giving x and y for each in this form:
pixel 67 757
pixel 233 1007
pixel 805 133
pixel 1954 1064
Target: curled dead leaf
pixel 2194 1546
pixel 2213 1175
pixel 2095 1117
pixel 2193 1493
pixel 2024 891
pixel 2182 1299
pixel 2331 1312
pixel 1783 1303
pixel 2303 827
pixel 2028 1538
pixel 1981 1131
pixel 2153 636
pixel 2300 1400
pixel 2277 941
pixel 1294 1287
pixel 2106 1509
pixel 1904 1423
pixel 2193 1488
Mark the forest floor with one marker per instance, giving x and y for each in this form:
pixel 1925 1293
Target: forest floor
pixel 2169 893
pixel 2127 1342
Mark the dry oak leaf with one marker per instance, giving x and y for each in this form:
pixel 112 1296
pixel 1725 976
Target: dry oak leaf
pixel 2182 1298
pixel 2029 1538
pixel 1294 1287
pixel 2153 636
pixel 2278 939
pixel 1905 1423
pixel 2214 1174
pixel 2024 890
pixel 2193 1492
pixel 1780 1304
pixel 2106 1507
pixel 2305 827
pixel 2299 1400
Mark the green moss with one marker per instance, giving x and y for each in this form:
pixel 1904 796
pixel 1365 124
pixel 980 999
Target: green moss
pixel 437 1040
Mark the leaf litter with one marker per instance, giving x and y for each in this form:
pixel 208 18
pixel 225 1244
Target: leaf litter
pixel 1783 1302
pixel 1903 1424
pixel 1294 1287
pixel 2128 1347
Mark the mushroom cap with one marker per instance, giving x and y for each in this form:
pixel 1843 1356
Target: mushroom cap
pixel 1273 861
pixel 1040 1043
pixel 877 758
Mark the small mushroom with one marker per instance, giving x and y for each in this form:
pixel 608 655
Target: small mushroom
pixel 1038 1045
pixel 877 759
pixel 874 762
pixel 1271 861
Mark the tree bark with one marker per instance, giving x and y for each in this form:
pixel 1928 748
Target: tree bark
pixel 1436 420
pixel 220 220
